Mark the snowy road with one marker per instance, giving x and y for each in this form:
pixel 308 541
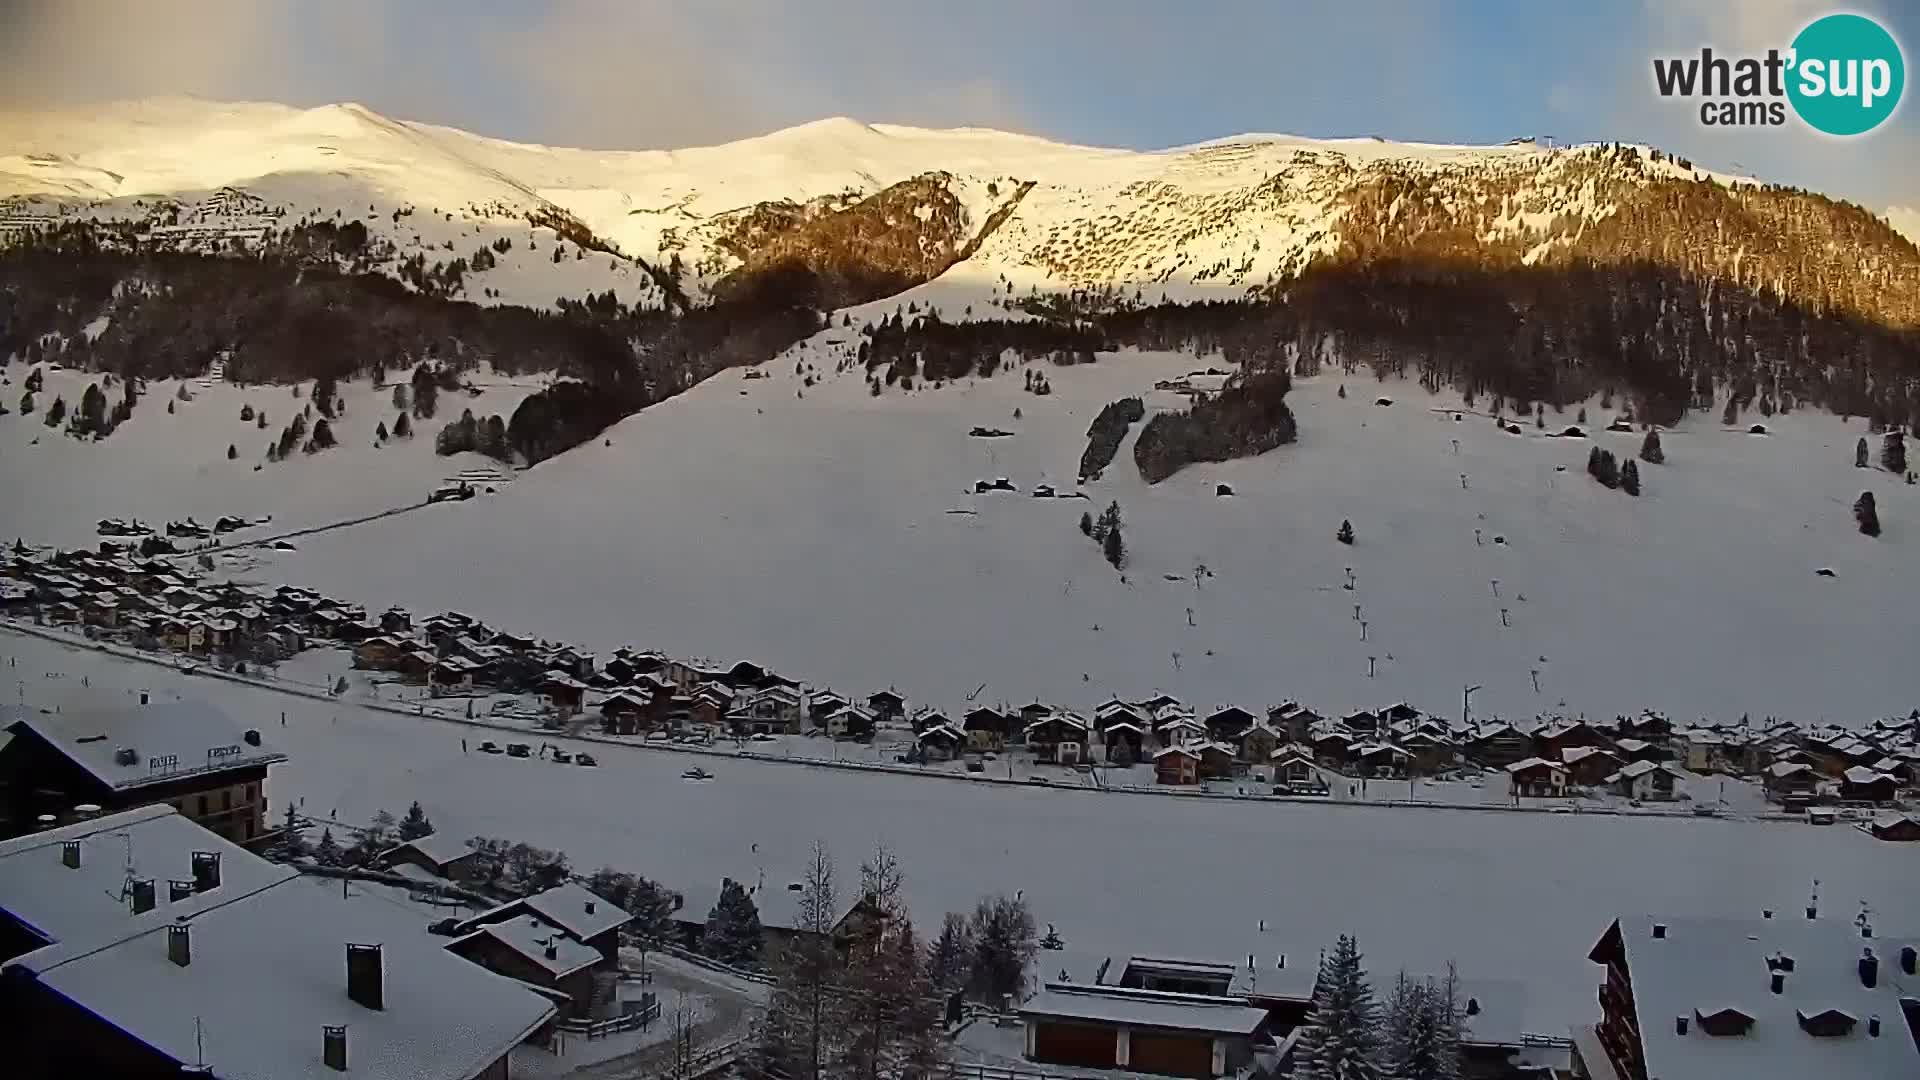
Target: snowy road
pixel 1517 896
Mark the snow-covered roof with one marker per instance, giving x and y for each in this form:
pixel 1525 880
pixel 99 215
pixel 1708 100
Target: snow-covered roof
pixel 1581 753
pixel 1703 965
pixel 1143 1008
pixel 531 938
pixel 1788 768
pixel 568 906
pixel 1179 751
pixel 1860 774
pixel 1534 763
pixel 63 903
pixel 269 971
pixel 439 847
pixel 166 740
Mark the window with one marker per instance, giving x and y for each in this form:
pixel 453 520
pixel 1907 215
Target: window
pixel 226 799
pixel 200 802
pixel 253 793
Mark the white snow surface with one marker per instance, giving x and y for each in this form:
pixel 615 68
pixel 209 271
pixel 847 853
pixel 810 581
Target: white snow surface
pixel 817 534
pixel 1211 219
pixel 1508 895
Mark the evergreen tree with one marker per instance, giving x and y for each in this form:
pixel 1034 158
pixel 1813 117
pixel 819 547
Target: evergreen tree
pixel 1004 942
pixel 169 407
pixel 1342 392
pixel 1893 453
pixel 1345 535
pixel 378 836
pixel 733 934
pixel 26 403
pixel 416 824
pixel 1650 450
pixel 402 427
pixel 325 390
pixel 56 412
pixel 327 852
pixel 1860 453
pixel 1630 478
pixel 246 414
pixel 93 410
pixel 322 436
pixel 380 433
pixel 950 954
pixel 885 976
pixel 1114 548
pixel 35 382
pixel 1732 414
pixel 260 420
pixel 232 451
pixel 1866 515
pixel 1086 518
pixel 1421 1038
pixel 1340 1039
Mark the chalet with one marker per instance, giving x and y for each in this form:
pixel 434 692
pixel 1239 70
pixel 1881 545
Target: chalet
pixel 1029 715
pixel 1499 745
pixel 1431 751
pixel 438 854
pixel 577 913
pixel 1229 724
pixel 1363 722
pixel 537 953
pixel 1380 760
pixel 851 722
pixel 1140 1031
pixel 562 693
pixel 622 712
pixel 987 729
pixel 127 938
pixel 1293 721
pixel 1788 778
pixel 1640 750
pixel 1059 737
pixel 1157 702
pixel 1862 784
pixel 513 642
pixel 1332 747
pixel 1553 741
pixel 452 675
pixel 1177 765
pixel 1898 827
pixel 1538 778
pixel 1180 728
pixel 1703 751
pixel 566 658
pixel 1648 726
pixel 1124 741
pixel 189 755
pixel 1707 998
pixel 1217 760
pixel 931 717
pixel 775 709
pixel 1258 744
pixel 396 621
pixel 415 666
pixel 940 742
pixel 1294 768
pixel 1589 766
pixel 821 704
pixel 1400 713
pixel 379 652
pixel 887 706
pixel 1646 781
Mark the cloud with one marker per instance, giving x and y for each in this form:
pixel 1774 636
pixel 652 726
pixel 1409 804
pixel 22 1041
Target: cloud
pixel 79 51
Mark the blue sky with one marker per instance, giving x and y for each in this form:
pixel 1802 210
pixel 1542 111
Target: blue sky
pixel 1114 72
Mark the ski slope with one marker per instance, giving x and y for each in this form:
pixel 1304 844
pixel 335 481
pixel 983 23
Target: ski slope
pixel 836 537
pixel 1511 896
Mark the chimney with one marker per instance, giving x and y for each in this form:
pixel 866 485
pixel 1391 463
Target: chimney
pixel 1813 911
pixel 1907 959
pixel 333 1046
pixel 1766 913
pixel 1778 983
pixel 143 697
pixel 1869 969
pixel 180 943
pixel 1659 930
pixel 86 811
pixel 126 755
pixel 589 907
pixel 1873 1026
pixel 366 976
pixel 206 870
pixel 70 854
pixel 553 950
pixel 1680 1025
pixel 178 890
pixel 45 822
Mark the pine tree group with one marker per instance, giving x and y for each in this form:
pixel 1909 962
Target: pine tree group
pixel 1422 1035
pixel 1630 478
pixel 1650 450
pixel 416 824
pixel 1602 467
pixel 1340 1039
pixel 733 934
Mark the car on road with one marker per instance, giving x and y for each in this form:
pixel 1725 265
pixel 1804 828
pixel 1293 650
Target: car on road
pixel 489 747
pixel 444 927
pixel 563 757
pixel 584 759
pixel 696 773
pixel 519 749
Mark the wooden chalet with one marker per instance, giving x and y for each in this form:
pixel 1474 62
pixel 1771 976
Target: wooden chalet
pixel 1589 766
pixel 887 706
pixel 986 728
pixel 1177 765
pixel 1537 778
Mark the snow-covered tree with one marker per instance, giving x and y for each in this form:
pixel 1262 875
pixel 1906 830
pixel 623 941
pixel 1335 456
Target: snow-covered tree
pixel 1004 941
pixel 1866 514
pixel 800 1030
pixel 327 852
pixel 1860 453
pixel 732 934
pixel 1421 1040
pixel 1630 478
pixel 1893 453
pixel 1340 1039
pixel 1650 450
pixel 951 953
pixel 415 824
pixel 1345 535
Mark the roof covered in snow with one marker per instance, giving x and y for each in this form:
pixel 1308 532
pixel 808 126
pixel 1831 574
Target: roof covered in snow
pixel 63 903
pixel 531 938
pixel 268 971
pixel 1704 965
pixel 1144 1008
pixel 163 741
pixel 440 847
pixel 570 907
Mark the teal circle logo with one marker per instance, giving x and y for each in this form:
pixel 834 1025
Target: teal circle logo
pixel 1847 74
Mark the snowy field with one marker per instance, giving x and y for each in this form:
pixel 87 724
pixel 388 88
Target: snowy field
pixel 835 537
pixel 1519 896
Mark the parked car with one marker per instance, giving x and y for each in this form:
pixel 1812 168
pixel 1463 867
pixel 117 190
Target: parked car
pixel 519 749
pixel 761 736
pixel 444 927
pixel 976 766
pixel 584 759
pixel 563 757
pixel 696 773
pixel 489 747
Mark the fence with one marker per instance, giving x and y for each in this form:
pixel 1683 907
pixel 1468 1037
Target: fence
pixel 600 1029
pixel 710 964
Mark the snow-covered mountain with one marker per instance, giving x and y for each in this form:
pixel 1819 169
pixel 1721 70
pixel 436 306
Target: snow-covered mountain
pixel 1213 219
